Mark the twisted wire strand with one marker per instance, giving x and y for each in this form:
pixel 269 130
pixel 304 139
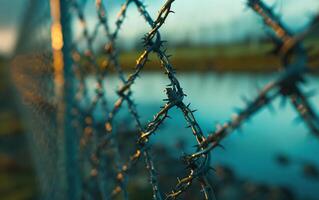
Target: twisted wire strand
pixel 290 45
pixel 289 48
pixel 159 118
pixel 175 92
pixel 135 115
pixel 285 86
pixel 101 75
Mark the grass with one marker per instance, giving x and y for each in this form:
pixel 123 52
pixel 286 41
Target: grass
pixel 253 58
pixel 17 181
pixel 20 184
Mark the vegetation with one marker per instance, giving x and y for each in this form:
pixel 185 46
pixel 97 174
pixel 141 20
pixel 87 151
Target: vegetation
pixel 17 180
pixel 242 57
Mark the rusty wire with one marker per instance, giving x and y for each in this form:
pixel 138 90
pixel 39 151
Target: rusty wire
pixel 289 48
pixel 287 86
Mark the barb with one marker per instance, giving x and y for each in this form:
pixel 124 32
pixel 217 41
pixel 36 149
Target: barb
pixel 111 55
pixel 285 86
pixel 175 92
pixel 289 47
pixel 126 88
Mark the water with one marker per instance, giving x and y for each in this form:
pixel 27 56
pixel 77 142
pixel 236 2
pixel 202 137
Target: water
pixel 251 152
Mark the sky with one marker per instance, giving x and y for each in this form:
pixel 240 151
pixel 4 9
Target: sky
pixel 10 15
pixel 222 21
pixel 200 21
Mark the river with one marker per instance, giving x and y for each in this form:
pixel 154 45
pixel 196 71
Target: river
pixel 250 152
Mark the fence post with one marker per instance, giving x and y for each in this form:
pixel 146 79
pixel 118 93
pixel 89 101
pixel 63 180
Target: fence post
pixel 67 140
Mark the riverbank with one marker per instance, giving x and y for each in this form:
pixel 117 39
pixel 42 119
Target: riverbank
pixel 235 58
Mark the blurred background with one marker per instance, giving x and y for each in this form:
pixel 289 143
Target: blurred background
pixel 222 54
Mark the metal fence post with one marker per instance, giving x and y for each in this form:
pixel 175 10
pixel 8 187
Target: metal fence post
pixel 64 89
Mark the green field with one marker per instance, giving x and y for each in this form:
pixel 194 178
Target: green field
pixel 226 58
pixel 17 180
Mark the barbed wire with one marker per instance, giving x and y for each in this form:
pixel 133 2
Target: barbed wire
pixel 289 48
pixel 286 86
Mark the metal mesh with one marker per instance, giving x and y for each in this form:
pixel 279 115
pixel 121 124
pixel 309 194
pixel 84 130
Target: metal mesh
pixel 77 138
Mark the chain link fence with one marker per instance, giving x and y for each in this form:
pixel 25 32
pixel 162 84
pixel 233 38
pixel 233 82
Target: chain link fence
pixel 79 149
